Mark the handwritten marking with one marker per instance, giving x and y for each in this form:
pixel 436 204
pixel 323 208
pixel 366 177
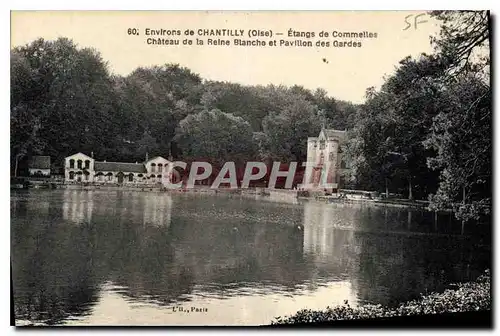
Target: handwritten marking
pixel 416 21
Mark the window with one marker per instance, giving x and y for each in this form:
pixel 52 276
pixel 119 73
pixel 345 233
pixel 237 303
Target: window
pixel 86 177
pixel 87 164
pixel 160 167
pixel 321 158
pixel 322 144
pixel 79 164
pixel 110 177
pixel 153 167
pixel 72 163
pixel 330 158
pixel 131 177
pixel 315 144
pixel 71 175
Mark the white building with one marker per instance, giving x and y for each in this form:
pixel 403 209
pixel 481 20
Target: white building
pixel 83 168
pixel 325 153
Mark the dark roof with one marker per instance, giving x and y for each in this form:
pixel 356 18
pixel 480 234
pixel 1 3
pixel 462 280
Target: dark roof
pixel 40 162
pixel 120 167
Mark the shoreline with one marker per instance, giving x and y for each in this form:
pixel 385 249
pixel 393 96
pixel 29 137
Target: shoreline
pixel 288 194
pixel 467 297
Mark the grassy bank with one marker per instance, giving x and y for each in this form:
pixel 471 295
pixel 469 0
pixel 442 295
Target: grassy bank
pixel 467 297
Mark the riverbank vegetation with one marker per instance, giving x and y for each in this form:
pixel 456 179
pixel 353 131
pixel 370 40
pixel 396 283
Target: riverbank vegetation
pixel 466 297
pixel 425 134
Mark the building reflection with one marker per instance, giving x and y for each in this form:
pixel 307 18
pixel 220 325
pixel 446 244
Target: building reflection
pixel 330 246
pixel 157 209
pixel 328 234
pixel 78 205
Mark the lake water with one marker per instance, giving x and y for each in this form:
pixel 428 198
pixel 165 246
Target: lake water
pixel 138 258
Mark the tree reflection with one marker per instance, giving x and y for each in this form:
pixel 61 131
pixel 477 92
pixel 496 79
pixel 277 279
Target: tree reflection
pixel 52 269
pixel 400 265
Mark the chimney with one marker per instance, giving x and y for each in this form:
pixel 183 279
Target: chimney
pixel 147 157
pixel 92 155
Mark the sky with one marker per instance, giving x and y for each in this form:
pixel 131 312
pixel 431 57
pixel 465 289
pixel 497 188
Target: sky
pixel 345 73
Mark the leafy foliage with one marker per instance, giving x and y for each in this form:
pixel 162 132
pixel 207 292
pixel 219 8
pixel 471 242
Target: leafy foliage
pixel 470 296
pixel 64 100
pixel 427 132
pixel 215 136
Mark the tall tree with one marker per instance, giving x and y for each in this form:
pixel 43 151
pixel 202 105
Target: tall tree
pixel 464 39
pixel 216 137
pixel 285 131
pixel 67 95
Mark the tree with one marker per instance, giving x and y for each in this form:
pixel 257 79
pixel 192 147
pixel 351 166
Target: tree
pixel 154 100
pixel 461 136
pixel 392 125
pixel 287 130
pixel 61 99
pixel 461 132
pixel 463 40
pixel 216 137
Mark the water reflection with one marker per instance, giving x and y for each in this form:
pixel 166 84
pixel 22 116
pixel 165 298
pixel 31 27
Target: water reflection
pixel 112 257
pixel 77 205
pixel 389 254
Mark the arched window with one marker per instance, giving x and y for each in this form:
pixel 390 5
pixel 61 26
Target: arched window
pixel 140 175
pixel 153 176
pixel 153 167
pixel 160 167
pixel 72 163
pixel 158 176
pixel 71 175
pixel 130 177
pixel 79 164
pixel 87 164
pixel 321 158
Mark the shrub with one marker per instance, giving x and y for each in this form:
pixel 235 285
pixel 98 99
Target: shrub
pixel 470 296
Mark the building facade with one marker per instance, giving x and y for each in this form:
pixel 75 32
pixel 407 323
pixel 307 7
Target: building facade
pixel 324 153
pixel 39 166
pixel 80 167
